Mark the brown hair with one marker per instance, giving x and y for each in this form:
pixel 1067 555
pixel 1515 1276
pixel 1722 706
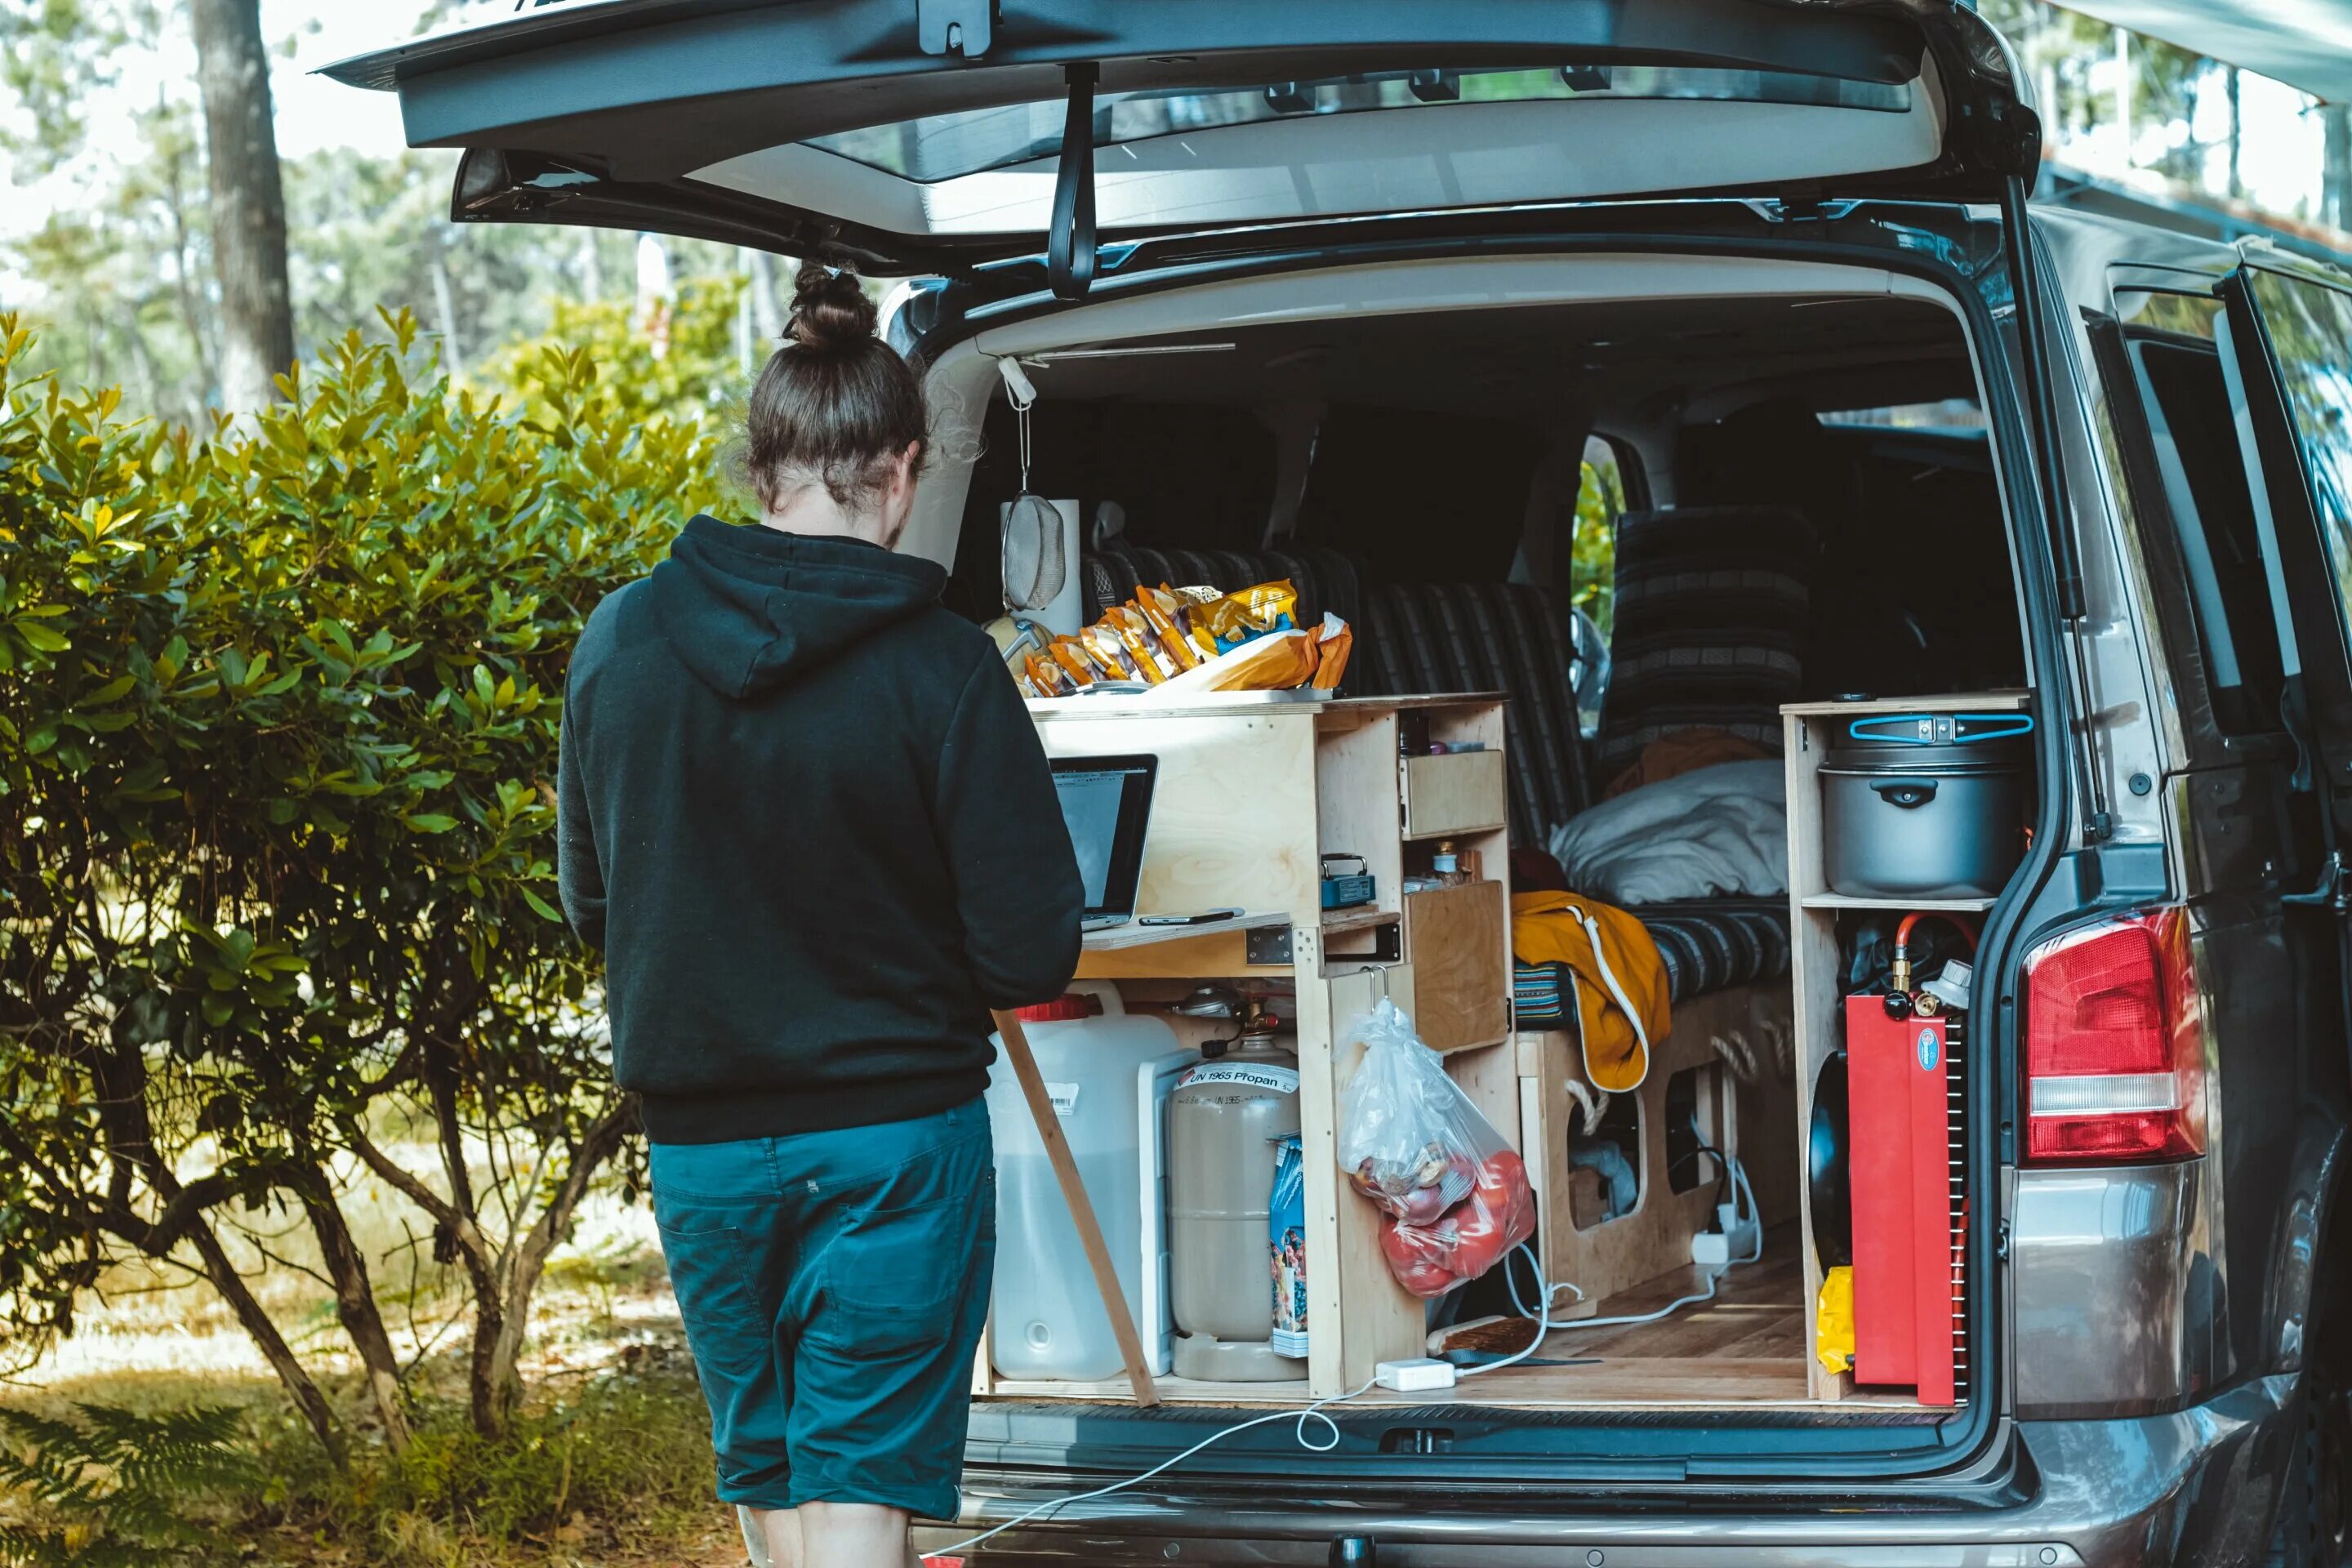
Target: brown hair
pixel 835 405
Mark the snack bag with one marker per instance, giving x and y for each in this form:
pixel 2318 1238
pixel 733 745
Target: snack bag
pixel 1334 641
pixel 1276 663
pixel 1236 618
pixel 1154 660
pixel 1042 677
pixel 1191 618
pixel 1108 653
pixel 1073 661
pixel 1163 609
pixel 1287 1245
pixel 1456 1195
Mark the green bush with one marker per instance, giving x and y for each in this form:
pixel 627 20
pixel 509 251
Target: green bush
pixel 113 1489
pixel 279 708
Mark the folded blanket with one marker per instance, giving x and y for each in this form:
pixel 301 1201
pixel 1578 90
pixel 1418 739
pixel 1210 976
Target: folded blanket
pixel 1719 831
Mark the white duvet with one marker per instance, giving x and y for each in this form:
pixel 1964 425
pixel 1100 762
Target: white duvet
pixel 1718 832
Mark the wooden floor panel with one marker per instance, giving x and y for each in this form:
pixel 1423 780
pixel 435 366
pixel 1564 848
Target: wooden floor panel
pixel 1744 1348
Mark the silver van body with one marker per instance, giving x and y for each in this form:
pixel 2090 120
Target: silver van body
pixel 2169 1345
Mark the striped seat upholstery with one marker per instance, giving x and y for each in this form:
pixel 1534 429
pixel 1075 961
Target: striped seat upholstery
pixel 1489 637
pixel 1713 612
pixel 1326 579
pixel 1708 946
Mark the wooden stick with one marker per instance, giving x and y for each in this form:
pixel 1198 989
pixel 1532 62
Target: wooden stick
pixel 1082 1208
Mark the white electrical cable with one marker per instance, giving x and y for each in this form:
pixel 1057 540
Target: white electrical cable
pixel 1544 1324
pixel 1312 1412
pixel 1315 1411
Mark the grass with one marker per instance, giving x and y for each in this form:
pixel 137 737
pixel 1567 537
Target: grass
pixel 608 1466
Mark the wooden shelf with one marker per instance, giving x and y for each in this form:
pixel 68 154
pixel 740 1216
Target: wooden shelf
pixel 1252 794
pixel 1135 933
pixel 2011 702
pixel 1851 901
pixel 1816 960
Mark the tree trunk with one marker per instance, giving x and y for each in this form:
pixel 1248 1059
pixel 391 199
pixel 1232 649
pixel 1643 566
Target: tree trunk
pixel 355 1306
pixel 493 1380
pixel 2336 187
pixel 2237 136
pixel 249 202
pixel 591 268
pixel 445 306
pixel 222 1273
pixel 500 1326
pixel 767 310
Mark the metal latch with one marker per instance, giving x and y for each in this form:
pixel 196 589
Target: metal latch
pixel 963 27
pixel 2335 888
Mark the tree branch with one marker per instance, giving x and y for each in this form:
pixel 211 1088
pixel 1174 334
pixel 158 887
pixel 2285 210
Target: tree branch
pixel 468 1235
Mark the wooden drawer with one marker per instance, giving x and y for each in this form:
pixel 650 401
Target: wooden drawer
pixel 1457 939
pixel 1461 792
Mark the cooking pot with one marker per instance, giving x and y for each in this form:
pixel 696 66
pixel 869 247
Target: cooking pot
pixel 1926 804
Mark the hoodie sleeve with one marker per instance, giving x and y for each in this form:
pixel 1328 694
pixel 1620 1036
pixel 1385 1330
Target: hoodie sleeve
pixel 1016 875
pixel 579 875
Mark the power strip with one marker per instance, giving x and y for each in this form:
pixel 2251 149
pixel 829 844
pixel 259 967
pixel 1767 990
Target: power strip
pixel 1735 1239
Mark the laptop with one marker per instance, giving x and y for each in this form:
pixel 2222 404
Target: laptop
pixel 1107 804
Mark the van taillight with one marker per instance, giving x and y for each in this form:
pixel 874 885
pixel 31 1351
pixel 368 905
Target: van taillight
pixel 2115 1044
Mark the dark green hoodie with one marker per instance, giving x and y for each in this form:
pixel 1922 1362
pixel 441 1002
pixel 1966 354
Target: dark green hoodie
pixel 806 816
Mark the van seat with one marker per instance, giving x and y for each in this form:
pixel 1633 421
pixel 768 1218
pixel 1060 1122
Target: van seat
pixel 1430 637
pixel 1707 946
pixel 1326 579
pixel 1714 611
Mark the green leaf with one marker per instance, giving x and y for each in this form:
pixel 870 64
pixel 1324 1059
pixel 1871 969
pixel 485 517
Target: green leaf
pixel 546 910
pixel 431 822
pixel 44 638
pixel 109 693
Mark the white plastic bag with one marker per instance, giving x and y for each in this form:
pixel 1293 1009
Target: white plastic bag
pixel 1455 1193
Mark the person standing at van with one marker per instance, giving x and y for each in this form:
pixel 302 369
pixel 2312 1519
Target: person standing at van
pixel 804 814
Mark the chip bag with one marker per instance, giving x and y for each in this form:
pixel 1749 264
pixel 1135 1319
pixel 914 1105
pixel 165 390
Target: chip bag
pixel 1236 618
pixel 1164 610
pixel 1334 641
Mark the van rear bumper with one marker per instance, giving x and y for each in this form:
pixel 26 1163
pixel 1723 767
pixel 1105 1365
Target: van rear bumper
pixel 2195 1487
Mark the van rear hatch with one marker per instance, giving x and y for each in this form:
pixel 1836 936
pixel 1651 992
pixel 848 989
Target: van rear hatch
pixel 928 135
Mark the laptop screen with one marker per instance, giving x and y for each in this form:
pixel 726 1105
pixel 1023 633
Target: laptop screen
pixel 1107 803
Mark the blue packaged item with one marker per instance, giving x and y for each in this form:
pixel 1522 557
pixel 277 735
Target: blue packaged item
pixel 1287 1242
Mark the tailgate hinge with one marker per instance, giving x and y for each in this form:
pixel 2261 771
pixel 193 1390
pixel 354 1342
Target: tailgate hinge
pixel 963 27
pixel 2335 888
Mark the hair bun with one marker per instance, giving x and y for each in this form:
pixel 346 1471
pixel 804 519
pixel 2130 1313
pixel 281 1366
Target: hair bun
pixel 830 309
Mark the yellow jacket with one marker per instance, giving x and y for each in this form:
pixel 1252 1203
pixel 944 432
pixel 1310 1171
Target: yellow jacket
pixel 1619 980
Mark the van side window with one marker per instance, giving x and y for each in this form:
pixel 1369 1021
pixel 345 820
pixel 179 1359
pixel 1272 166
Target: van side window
pixel 2309 324
pixel 2169 340
pixel 1601 502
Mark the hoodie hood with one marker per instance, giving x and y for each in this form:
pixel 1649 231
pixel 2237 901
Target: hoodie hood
pixel 749 608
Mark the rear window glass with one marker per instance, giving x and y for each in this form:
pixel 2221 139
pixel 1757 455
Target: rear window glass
pixel 2310 325
pixel 948 146
pixel 2205 481
pixel 1952 413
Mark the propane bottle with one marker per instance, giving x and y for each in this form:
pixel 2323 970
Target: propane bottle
pixel 1225 1124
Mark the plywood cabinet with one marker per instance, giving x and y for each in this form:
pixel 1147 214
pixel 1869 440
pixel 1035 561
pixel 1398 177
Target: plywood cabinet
pixel 1815 953
pixel 1252 794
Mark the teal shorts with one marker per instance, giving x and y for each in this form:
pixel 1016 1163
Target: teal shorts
pixel 833 1286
